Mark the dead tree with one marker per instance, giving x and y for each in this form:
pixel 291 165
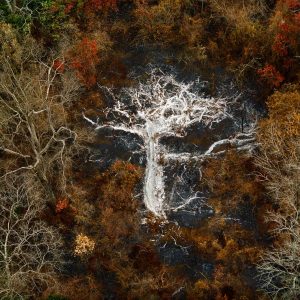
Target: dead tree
pixel 163 107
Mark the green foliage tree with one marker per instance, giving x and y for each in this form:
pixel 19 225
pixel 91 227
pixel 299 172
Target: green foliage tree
pixel 45 16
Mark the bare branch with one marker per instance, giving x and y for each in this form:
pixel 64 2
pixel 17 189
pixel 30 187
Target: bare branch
pixel 30 251
pixel 159 108
pixel 33 120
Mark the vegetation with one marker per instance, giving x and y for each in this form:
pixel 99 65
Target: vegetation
pixel 72 223
pixel 279 164
pixel 30 251
pixel 232 245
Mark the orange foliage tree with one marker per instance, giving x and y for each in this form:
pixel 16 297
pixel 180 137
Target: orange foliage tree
pixel 61 204
pixel 83 59
pixel 271 75
pixel 286 27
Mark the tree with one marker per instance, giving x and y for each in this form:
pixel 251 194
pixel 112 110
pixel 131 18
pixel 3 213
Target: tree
pixel 270 75
pixel 279 162
pixel 163 107
pixel 284 27
pixel 22 13
pixel 35 135
pixel 13 7
pixel 84 59
pixel 30 251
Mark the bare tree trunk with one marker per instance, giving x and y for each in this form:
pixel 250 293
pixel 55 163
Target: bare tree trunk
pixel 164 107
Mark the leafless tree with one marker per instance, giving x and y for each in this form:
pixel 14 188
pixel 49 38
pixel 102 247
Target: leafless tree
pixel 163 107
pixel 34 131
pixel 30 251
pixel 279 268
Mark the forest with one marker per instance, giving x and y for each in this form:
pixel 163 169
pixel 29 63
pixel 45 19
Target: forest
pixel 149 149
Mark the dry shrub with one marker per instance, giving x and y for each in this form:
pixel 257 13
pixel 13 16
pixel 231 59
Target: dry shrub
pixel 170 23
pixel 222 286
pixel 202 289
pixel 93 6
pixel 279 138
pixel 283 119
pixel 113 220
pixel 84 210
pixel 193 36
pixel 221 238
pixel 237 256
pixel 77 287
pixel 117 186
pixel 158 22
pixel 232 181
pixel 161 284
pixel 239 13
pixel 121 247
pixel 10 46
pixel 120 29
pixel 243 35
